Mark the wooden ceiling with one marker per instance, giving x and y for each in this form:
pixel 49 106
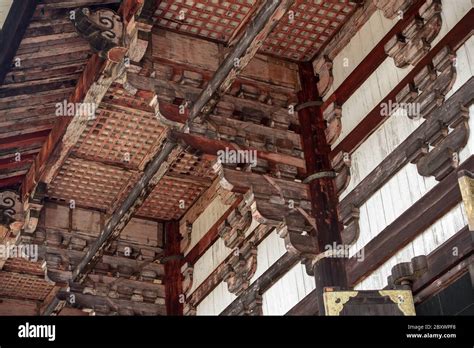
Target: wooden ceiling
pixel 298 36
pixel 115 147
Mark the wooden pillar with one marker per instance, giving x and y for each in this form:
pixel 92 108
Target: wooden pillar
pixel 328 272
pixel 173 261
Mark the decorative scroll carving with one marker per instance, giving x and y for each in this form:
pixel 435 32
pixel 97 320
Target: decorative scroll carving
pixel 240 268
pixel 102 28
pixel 392 8
pixel 7 208
pixel 413 43
pixel 466 186
pixel 332 115
pixel 405 273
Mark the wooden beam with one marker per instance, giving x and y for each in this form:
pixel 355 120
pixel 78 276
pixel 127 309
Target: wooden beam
pixel 454 39
pixel 457 248
pixel 255 34
pixel 212 146
pixel 263 283
pixel 327 271
pixel 12 32
pixel 439 261
pixel 416 219
pixel 210 237
pixel 371 61
pixel 444 115
pixel 173 277
pixel 265 20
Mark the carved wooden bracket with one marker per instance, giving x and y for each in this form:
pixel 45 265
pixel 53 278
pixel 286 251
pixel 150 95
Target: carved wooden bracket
pixel 33 208
pixel 405 273
pixel 341 164
pixel 232 230
pixel 332 115
pixel 429 87
pixel 186 232
pixel 392 8
pixel 187 271
pixel 323 69
pixel 103 29
pixel 240 268
pixel 111 36
pixel 251 304
pixel 444 158
pixel 413 43
pixel 274 202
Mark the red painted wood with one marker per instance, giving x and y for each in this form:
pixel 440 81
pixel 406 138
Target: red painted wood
pixel 173 277
pixel 371 62
pixel 455 38
pixel 328 272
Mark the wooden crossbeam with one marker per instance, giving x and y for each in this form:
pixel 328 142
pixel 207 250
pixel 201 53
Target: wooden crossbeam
pixel 12 32
pixel 97 77
pixel 256 32
pixel 416 219
pixel 454 39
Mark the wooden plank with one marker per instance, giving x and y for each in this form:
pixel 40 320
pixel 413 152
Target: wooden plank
pixel 408 225
pixel 454 39
pixel 403 153
pixel 210 237
pixel 265 19
pixel 439 261
pixel 372 61
pixel 12 33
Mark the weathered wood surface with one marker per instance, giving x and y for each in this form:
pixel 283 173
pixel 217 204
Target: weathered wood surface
pixel 258 287
pixel 407 226
pixel 439 261
pixel 13 30
pixel 451 112
pixel 454 39
pixel 173 262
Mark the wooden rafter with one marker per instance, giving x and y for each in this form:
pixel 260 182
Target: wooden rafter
pixel 259 28
pixel 12 32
